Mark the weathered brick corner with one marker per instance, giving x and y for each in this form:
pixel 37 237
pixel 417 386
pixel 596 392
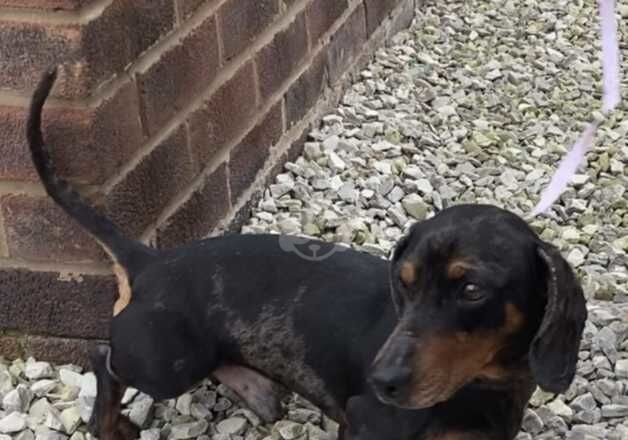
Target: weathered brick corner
pixel 170 115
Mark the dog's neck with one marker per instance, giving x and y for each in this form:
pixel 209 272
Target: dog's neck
pixel 516 373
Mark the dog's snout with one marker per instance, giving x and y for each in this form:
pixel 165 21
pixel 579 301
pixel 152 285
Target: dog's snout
pixel 390 382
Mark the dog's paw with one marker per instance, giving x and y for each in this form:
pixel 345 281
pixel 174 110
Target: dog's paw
pixel 92 426
pixel 127 430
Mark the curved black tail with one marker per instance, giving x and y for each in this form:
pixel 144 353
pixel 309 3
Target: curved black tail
pixel 130 254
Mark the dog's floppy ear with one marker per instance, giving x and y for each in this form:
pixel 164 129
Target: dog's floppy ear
pixel 554 349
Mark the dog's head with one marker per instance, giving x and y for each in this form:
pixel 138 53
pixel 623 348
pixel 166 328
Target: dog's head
pixel 478 294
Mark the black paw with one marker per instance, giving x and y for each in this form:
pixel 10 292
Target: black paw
pixel 127 430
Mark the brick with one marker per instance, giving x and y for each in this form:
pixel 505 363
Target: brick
pixel 376 11
pixel 16 162
pixel 123 32
pixel 321 14
pixel 88 145
pixel 346 44
pixel 56 304
pixel 189 7
pixel 404 18
pixel 60 350
pixel 10 347
pixel 91 53
pixel 243 214
pixel 136 201
pixel 289 155
pixel 47 5
pixel 224 116
pixel 306 90
pixel 45 46
pixel 296 147
pixel 241 21
pixel 49 349
pixel 179 75
pixel 200 214
pixel 279 58
pixel 38 230
pixel 249 156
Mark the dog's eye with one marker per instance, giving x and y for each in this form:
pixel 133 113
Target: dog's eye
pixel 472 293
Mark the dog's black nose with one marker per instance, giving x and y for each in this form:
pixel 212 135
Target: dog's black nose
pixel 389 383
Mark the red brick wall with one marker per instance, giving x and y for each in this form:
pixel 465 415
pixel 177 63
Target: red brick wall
pixel 170 115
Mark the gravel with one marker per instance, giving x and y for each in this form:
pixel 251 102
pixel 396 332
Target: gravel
pixel 477 102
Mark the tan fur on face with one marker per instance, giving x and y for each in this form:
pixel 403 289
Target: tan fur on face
pixel 457 268
pixel 444 363
pixel 408 274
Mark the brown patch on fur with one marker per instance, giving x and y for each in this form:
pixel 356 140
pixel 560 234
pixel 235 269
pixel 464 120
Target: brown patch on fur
pixel 408 274
pixel 122 277
pixel 444 363
pixel 514 319
pixel 261 394
pixel 124 289
pixel 457 268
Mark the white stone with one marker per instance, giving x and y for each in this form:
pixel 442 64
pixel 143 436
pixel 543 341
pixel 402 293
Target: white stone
pixel 46 434
pixel 289 430
pixel 141 410
pixel 38 370
pixel 39 409
pixel 53 419
pixel 331 143
pixel 26 434
pixel 424 186
pixel 70 378
pixel 575 258
pixel 150 434
pixel 14 422
pixel 188 430
pixel 232 426
pixel 184 403
pixel 71 419
pixel 415 206
pixel 621 368
pixel 88 385
pixel 561 409
pixel 335 162
pixel 17 399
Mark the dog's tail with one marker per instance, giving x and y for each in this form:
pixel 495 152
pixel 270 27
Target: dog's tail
pixel 131 255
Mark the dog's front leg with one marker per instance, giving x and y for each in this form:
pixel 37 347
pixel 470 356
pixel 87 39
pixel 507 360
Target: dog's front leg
pixel 106 422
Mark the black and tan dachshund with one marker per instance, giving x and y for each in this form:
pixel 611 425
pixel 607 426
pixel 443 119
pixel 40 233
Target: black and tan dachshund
pixel 481 311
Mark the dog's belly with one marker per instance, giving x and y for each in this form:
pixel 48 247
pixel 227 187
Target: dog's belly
pixel 272 346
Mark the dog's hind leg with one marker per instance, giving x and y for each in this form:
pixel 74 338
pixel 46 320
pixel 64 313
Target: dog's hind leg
pixel 260 393
pixel 106 422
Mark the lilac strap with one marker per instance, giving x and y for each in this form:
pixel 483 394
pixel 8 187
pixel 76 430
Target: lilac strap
pixel 610 99
pixel 610 56
pixel 566 170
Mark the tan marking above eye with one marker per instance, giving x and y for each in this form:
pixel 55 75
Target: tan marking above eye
pixel 407 273
pixel 456 269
